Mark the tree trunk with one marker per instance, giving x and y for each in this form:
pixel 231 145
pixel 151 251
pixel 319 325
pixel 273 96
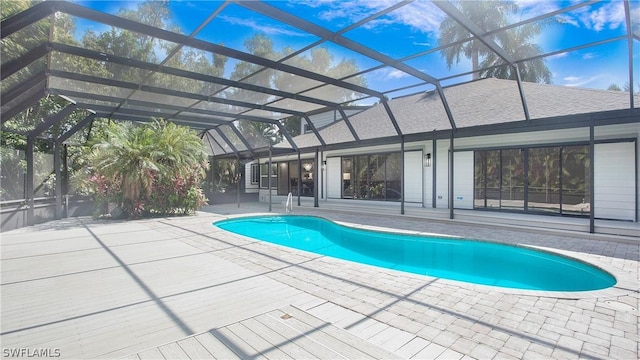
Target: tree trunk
pixel 474 64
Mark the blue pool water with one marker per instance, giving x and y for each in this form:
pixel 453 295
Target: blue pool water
pixel 464 260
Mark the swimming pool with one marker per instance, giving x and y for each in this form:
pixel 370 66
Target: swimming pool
pixel 471 261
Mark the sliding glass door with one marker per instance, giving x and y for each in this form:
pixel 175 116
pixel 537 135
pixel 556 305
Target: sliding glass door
pixel 372 177
pixel 512 187
pixel 544 180
pixel 551 180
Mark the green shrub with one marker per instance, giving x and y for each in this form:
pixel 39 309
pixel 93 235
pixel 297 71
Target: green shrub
pixel 151 169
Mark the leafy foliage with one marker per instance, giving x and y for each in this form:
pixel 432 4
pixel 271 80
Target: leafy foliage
pixel 318 60
pixel 150 169
pixel 490 15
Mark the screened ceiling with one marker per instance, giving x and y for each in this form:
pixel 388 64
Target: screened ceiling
pixel 228 68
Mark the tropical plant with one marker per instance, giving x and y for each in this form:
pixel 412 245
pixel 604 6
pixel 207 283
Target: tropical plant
pixel 517 43
pixel 491 15
pixel 319 60
pixel 150 169
pixel 487 15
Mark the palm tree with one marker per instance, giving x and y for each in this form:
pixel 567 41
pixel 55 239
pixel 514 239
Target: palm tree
pixel 517 43
pixel 491 15
pixel 487 15
pixel 160 158
pixel 128 156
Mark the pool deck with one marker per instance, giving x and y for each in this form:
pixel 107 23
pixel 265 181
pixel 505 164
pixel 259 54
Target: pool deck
pixel 181 288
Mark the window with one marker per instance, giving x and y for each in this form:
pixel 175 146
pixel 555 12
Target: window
pixel 374 177
pixel 264 175
pixel 542 179
pixel 255 174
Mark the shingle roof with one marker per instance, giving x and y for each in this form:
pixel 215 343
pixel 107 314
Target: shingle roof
pixel 483 102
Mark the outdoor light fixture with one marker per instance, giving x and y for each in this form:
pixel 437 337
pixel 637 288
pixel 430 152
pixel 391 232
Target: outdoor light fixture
pixel 307 166
pixel 427 160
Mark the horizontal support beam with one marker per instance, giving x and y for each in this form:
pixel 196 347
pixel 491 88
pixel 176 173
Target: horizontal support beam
pixel 73 50
pixel 23 61
pixel 37 80
pixel 77 10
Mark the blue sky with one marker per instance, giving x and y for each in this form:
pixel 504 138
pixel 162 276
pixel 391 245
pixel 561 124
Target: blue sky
pixel 415 28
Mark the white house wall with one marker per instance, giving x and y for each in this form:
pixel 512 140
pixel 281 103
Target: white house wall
pixel 442 173
pixel 249 187
pixel 616 202
pixel 334 178
pixel 413 170
pixel 523 139
pixel 614 183
pixel 463 180
pixel 428 177
pixel 630 131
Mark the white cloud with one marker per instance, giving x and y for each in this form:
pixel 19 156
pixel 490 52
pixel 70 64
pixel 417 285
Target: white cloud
pixel 397 74
pixel 388 73
pixel 589 56
pixel 571 78
pixel 378 24
pixel 420 15
pixel 267 29
pixel 577 81
pixel 533 8
pixel 566 19
pixel 610 15
pixel 347 11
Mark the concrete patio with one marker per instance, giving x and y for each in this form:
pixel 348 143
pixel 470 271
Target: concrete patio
pixel 181 288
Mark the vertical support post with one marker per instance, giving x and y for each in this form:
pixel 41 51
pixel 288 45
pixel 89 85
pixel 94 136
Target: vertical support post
pixel 630 34
pixel 560 180
pixel 57 164
pixel 316 166
pixel 501 184
pixel 298 186
pixel 65 169
pixel 321 167
pixel 434 162
pixel 65 178
pixel 592 175
pixel 526 179
pixel 29 186
pixel 451 175
pixel 238 177
pixel 269 177
pixel 402 175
